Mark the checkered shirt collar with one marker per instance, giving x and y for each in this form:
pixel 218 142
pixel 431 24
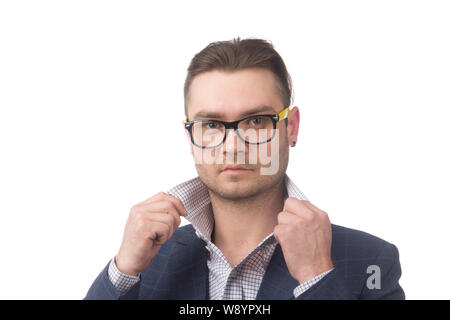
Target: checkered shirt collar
pixel 195 197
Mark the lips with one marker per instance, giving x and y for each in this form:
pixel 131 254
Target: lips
pixel 235 168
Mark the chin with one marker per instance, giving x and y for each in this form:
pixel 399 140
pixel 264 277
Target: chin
pixel 235 191
pixel 233 187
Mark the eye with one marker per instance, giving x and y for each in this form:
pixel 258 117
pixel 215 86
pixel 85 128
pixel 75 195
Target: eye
pixel 256 121
pixel 212 125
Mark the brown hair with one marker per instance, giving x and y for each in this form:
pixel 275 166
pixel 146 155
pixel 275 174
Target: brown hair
pixel 237 54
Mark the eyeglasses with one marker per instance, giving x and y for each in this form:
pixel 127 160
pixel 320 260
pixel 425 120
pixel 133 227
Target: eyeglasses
pixel 255 129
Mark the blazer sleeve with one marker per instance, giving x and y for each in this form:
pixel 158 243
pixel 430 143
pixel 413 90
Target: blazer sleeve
pixel 335 287
pixel 103 289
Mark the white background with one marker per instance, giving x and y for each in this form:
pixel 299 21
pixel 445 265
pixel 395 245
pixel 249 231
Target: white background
pixel 91 106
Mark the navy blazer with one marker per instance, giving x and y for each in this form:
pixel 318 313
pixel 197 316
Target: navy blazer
pixel 179 271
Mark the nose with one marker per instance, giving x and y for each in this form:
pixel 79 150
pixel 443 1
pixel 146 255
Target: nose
pixel 233 143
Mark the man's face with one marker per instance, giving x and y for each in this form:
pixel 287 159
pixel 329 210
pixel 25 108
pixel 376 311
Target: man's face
pixel 218 95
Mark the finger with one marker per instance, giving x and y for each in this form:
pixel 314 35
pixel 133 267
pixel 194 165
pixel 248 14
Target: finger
pixel 164 207
pixel 320 213
pixel 311 206
pixel 276 231
pixel 156 197
pixel 178 204
pixel 160 196
pixel 285 217
pixel 279 231
pixel 296 206
pixel 164 218
pixel 159 232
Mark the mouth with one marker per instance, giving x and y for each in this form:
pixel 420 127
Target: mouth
pixel 236 169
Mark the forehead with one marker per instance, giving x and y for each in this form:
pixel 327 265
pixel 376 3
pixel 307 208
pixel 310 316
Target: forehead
pixel 233 93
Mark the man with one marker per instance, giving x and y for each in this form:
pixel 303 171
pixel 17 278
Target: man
pixel 253 234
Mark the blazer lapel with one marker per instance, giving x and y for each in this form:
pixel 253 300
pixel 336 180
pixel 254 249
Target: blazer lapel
pixel 277 283
pixel 191 267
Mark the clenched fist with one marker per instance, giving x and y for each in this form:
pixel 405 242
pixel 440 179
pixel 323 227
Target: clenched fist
pixel 150 224
pixel 304 234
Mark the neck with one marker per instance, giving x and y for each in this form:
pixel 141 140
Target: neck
pixel 243 224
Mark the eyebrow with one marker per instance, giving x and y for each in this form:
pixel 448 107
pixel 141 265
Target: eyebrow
pixel 218 115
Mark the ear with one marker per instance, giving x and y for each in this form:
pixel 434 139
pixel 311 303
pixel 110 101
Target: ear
pixel 293 125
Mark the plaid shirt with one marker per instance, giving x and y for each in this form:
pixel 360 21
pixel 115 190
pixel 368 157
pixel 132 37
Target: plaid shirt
pixel 240 282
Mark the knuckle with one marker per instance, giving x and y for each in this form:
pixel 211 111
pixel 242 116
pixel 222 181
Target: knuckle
pixel 134 209
pixel 276 230
pixel 135 214
pixel 139 215
pixel 299 222
pixel 170 218
pixel 290 201
pixel 176 199
pixel 166 205
pixel 309 215
pixel 171 210
pixel 303 202
pixel 293 226
pixel 280 216
pixel 141 225
pixel 160 195
pixel 322 216
pixel 279 233
pixel 167 229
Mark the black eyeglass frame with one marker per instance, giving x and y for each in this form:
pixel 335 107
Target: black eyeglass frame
pixel 234 125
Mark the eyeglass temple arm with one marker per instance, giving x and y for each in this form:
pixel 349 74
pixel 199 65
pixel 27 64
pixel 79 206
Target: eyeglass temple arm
pixel 283 114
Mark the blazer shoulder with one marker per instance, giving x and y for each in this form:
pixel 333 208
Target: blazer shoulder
pixel 357 241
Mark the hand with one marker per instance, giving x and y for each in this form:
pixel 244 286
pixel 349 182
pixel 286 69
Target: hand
pixel 304 233
pixel 150 224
